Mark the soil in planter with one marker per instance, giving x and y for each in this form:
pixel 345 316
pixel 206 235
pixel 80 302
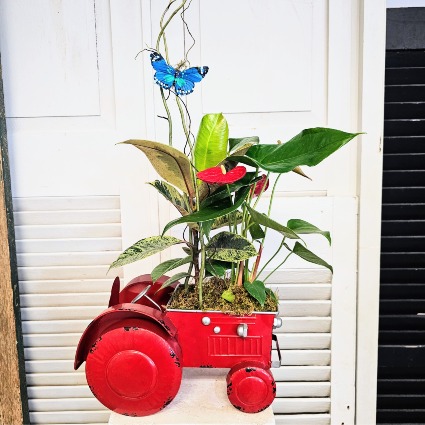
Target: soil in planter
pixel 211 290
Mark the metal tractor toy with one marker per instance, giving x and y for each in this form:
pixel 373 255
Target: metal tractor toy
pixel 136 349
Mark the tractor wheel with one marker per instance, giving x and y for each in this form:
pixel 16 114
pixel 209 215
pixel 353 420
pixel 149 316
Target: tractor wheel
pixel 250 387
pixel 134 369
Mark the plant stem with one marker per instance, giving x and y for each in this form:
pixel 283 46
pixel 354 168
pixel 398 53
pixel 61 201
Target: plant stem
pixel 273 256
pixel 270 206
pixel 185 129
pixel 170 122
pixel 264 280
pixel 161 32
pixel 202 271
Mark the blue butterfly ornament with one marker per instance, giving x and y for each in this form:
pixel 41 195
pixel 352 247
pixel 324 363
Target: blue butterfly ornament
pixel 183 81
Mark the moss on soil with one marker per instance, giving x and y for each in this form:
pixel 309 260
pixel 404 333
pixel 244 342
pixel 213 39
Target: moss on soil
pixel 211 290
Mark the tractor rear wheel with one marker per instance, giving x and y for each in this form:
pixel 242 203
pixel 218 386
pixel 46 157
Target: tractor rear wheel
pixel 134 369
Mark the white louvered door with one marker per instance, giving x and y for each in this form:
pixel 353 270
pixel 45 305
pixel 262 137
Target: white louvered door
pixel 74 89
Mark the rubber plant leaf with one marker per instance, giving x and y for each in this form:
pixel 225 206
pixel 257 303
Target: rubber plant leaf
pixel 144 248
pixel 166 266
pixel 171 194
pixel 171 164
pixel 303 227
pixel 211 142
pixel 211 212
pixel 257 290
pixel 309 256
pixel 173 279
pixel 262 219
pixel 310 147
pixel 227 246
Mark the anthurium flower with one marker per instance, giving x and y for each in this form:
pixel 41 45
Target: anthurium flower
pixel 258 187
pixel 219 175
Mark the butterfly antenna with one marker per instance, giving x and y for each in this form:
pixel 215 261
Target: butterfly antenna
pixel 146 49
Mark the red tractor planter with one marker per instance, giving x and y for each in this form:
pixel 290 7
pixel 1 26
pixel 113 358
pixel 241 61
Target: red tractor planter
pixel 135 350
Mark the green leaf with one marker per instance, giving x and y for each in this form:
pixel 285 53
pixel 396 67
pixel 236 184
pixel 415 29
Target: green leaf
pixel 211 212
pixel 228 295
pixel 173 279
pixel 166 266
pixel 211 141
pixel 271 294
pixel 235 216
pixel 257 290
pixel 170 193
pixel 310 147
pixel 171 164
pixel 144 248
pixel 206 227
pixel 240 146
pixel 227 246
pixel 303 227
pixel 217 268
pixel 256 231
pixel 309 256
pixel 262 219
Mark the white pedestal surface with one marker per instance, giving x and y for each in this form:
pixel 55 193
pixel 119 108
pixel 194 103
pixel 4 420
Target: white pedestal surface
pixel 202 399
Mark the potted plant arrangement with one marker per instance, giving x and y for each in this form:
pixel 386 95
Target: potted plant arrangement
pixel 218 311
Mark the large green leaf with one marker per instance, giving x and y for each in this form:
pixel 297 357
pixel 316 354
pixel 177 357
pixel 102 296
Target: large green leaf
pixel 310 147
pixel 171 164
pixel 170 193
pixel 211 212
pixel 262 219
pixel 303 227
pixel 166 266
pixel 211 141
pixel 227 246
pixel 257 290
pixel 240 146
pixel 309 256
pixel 144 248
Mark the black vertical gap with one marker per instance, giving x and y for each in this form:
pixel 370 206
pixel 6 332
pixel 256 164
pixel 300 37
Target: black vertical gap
pixel 12 254
pixel 401 360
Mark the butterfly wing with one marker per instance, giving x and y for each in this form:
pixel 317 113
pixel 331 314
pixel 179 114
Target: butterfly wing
pixel 165 74
pixel 185 80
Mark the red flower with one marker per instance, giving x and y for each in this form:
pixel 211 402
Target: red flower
pixel 219 175
pixel 258 187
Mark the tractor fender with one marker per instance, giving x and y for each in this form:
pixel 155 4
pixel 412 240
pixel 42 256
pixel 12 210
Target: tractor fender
pixel 111 317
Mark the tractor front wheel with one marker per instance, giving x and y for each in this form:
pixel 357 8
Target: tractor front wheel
pixel 250 387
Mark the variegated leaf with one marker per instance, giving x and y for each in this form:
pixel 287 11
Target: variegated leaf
pixel 227 246
pixel 144 248
pixel 171 164
pixel 170 193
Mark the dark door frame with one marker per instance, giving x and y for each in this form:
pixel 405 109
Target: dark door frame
pixel 13 390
